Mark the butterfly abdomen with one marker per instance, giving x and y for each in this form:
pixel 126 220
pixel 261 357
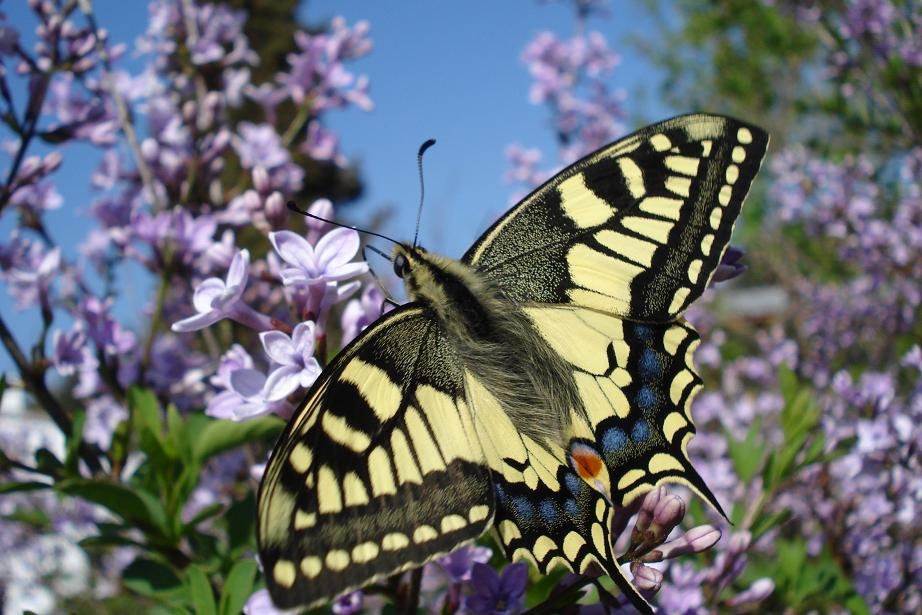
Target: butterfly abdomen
pixel 496 340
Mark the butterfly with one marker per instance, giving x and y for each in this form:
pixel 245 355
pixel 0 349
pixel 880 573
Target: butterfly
pixel 535 386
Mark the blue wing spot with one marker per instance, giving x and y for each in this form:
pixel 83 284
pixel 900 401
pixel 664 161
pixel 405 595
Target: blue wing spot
pixel 572 508
pixel 641 431
pixel 643 332
pixel 645 398
pixel 549 511
pixel 613 440
pixel 523 507
pixel 649 365
pixel 500 492
pixel 573 483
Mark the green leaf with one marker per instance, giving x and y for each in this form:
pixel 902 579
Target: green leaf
pixel 747 455
pixel 151 578
pixel 135 507
pixel 145 411
pixel 208 512
pixel 176 440
pixel 222 435
pixel 23 487
pixel 240 526
pixel 238 587
pixel 200 590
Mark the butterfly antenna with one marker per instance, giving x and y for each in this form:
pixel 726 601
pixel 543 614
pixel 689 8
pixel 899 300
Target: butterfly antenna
pixel 294 207
pixel 422 186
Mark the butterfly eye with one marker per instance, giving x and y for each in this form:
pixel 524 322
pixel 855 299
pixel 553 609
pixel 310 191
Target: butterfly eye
pixel 401 266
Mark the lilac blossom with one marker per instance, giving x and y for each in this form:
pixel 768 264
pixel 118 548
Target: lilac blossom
pixel 72 352
pixel 294 356
pixel 361 312
pixel 494 593
pixel 216 299
pixel 330 260
pixel 30 279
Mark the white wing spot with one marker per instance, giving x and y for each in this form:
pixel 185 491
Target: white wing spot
pixel 707 243
pixel 733 174
pixel 284 573
pixel 679 301
pixel 478 513
pixel 716 216
pixel 304 520
pixel 450 523
pixel 381 473
pixel 744 136
pixel 633 176
pixel 686 165
pixel 660 142
pixel 739 154
pixel 424 533
pixel 365 552
pixel 337 560
pixel 694 270
pixel 678 185
pixel 311 566
pixel 725 195
pixel 662 206
pixel 355 492
pixel 581 205
pixel 329 496
pixel 300 458
pixel 394 541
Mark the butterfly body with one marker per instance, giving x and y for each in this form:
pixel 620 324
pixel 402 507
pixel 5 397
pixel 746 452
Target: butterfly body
pixel 494 339
pixel 534 386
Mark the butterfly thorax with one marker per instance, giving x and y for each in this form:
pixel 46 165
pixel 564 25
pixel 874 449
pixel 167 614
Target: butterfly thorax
pixel 496 341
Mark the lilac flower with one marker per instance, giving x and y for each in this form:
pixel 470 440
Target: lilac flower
pixel 260 145
pixel 103 414
pixel 349 604
pixel 104 330
pixel 495 594
pixel 71 352
pixel 217 299
pixel 359 313
pixel 297 367
pixel 317 70
pixel 459 563
pixel 328 261
pixel 261 604
pixel 245 398
pixel 30 280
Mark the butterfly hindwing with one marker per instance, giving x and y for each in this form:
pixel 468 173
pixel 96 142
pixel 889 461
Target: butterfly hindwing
pixel 635 229
pixel 379 471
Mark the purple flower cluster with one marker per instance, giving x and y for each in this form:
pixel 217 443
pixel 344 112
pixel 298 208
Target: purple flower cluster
pixel 572 79
pixel 168 216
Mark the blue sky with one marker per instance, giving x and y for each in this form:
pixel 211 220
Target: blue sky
pixel 448 70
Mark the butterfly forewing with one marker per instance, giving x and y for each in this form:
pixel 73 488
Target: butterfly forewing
pixel 635 229
pixel 379 471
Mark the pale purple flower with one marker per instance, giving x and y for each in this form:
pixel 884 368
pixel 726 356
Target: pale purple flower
pixel 294 355
pixel 349 604
pixel 316 228
pixel 497 594
pixel 30 279
pixel 259 144
pixel 245 398
pixel 37 197
pixel 71 352
pixel 103 414
pixel 261 604
pixel 216 299
pixel 458 564
pixel 329 260
pixel 359 313
pixel 103 329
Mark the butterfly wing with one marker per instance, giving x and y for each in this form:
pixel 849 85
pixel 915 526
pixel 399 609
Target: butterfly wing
pixel 635 229
pixel 554 505
pixel 379 471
